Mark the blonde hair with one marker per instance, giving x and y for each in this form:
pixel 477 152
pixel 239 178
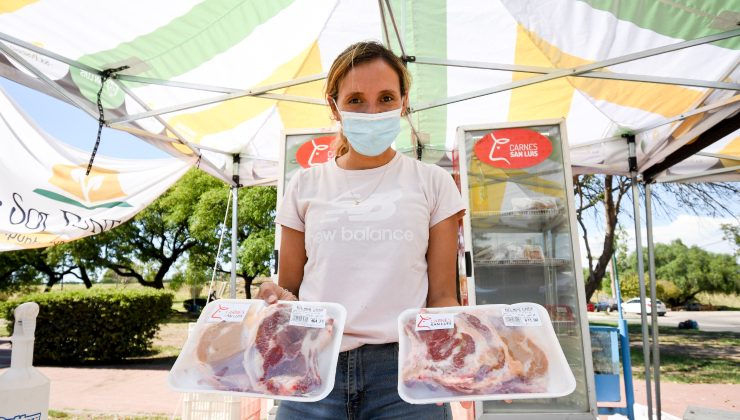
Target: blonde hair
pixel 358 53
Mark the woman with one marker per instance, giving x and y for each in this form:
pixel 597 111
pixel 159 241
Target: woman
pixel 373 230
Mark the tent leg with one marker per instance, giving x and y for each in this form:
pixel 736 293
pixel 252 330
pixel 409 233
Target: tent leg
pixel 653 295
pixel 234 225
pixel 640 271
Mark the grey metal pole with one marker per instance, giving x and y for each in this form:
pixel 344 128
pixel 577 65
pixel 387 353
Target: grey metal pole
pixel 653 295
pixel 640 271
pixel 234 225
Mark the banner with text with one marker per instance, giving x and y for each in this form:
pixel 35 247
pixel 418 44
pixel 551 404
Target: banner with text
pixel 45 196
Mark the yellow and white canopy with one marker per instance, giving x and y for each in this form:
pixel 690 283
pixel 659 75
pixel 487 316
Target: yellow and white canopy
pixel 47 199
pixel 209 79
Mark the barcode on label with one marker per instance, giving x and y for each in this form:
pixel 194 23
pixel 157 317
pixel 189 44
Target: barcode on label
pixel 521 316
pixel 308 316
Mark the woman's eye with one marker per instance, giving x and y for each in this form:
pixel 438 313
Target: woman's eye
pixel 353 101
pixel 387 98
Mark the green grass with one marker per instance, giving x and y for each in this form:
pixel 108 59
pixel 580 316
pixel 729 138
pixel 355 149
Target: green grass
pixel 689 356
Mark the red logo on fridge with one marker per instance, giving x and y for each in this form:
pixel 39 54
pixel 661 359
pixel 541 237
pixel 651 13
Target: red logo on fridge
pixel 315 151
pixel 513 148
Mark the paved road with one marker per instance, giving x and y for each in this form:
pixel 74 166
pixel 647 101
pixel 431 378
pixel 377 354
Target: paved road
pixel 708 320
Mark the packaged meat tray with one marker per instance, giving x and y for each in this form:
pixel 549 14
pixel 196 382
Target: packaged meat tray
pixel 485 352
pixel 285 351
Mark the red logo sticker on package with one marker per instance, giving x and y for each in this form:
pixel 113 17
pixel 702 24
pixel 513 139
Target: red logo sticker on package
pixel 513 148
pixel 315 151
pixel 229 312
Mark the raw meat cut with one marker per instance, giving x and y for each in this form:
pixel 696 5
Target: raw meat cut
pixel 283 359
pixel 219 353
pixel 480 355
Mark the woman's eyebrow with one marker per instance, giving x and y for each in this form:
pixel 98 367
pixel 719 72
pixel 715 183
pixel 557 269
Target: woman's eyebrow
pixel 388 92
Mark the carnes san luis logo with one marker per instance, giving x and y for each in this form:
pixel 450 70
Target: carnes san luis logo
pixel 100 185
pixel 513 148
pixel 315 151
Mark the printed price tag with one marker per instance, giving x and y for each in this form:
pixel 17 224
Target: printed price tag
pixel 229 312
pixel 426 322
pixel 308 316
pixel 521 316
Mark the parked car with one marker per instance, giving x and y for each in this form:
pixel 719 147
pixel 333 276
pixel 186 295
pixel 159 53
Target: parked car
pixel 602 306
pixel 693 306
pixel 614 306
pixel 590 307
pixel 633 306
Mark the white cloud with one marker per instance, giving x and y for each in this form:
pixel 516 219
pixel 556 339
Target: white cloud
pixel 701 231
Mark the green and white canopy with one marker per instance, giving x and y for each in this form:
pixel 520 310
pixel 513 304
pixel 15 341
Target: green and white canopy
pixel 209 79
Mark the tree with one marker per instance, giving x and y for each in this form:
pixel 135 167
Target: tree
pixel 256 231
pixel 147 247
pixel 16 271
pixel 180 227
pixel 600 197
pixel 731 233
pixel 691 270
pixel 593 192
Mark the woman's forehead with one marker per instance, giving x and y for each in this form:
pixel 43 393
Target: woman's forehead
pixel 370 78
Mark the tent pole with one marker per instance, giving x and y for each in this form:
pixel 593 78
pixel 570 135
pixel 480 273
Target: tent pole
pixel 234 223
pixel 640 270
pixel 575 71
pixel 77 102
pixel 395 29
pixel 592 74
pixel 653 294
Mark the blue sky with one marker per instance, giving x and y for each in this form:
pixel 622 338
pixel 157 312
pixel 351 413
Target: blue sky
pixel 76 128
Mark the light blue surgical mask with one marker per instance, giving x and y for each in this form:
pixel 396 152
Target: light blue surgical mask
pixel 371 134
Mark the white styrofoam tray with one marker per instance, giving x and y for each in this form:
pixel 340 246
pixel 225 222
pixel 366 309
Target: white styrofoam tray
pixel 535 326
pixel 228 327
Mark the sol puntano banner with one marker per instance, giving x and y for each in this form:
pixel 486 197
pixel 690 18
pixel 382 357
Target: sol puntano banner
pixel 45 196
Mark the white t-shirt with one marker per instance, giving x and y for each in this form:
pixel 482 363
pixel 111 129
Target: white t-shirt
pixel 369 257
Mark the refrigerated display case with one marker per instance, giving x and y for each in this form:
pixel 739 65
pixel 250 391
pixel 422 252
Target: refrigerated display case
pixel 300 148
pixel 520 238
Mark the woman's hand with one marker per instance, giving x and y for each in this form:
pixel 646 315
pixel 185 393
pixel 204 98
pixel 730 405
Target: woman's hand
pixel 270 292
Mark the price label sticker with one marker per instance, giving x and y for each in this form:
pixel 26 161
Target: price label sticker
pixel 308 316
pixel 521 316
pixel 229 312
pixel 427 322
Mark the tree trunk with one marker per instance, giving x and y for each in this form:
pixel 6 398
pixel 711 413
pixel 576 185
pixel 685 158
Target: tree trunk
pixel 53 279
pixel 158 281
pixel 611 210
pixel 84 277
pixel 248 284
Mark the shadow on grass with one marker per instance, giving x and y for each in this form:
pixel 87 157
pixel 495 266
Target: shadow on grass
pixel 153 362
pixel 179 317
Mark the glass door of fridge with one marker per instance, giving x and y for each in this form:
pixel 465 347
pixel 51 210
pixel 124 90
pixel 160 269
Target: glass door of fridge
pixel 520 231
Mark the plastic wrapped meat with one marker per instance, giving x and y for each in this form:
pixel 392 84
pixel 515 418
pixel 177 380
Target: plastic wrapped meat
pixel 220 353
pixel 539 203
pixel 285 351
pixel 478 356
pixel 283 359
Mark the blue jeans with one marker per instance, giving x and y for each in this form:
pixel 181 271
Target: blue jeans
pixel 365 388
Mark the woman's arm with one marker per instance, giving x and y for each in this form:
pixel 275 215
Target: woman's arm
pixel 441 261
pixel 292 259
pixel 290 268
